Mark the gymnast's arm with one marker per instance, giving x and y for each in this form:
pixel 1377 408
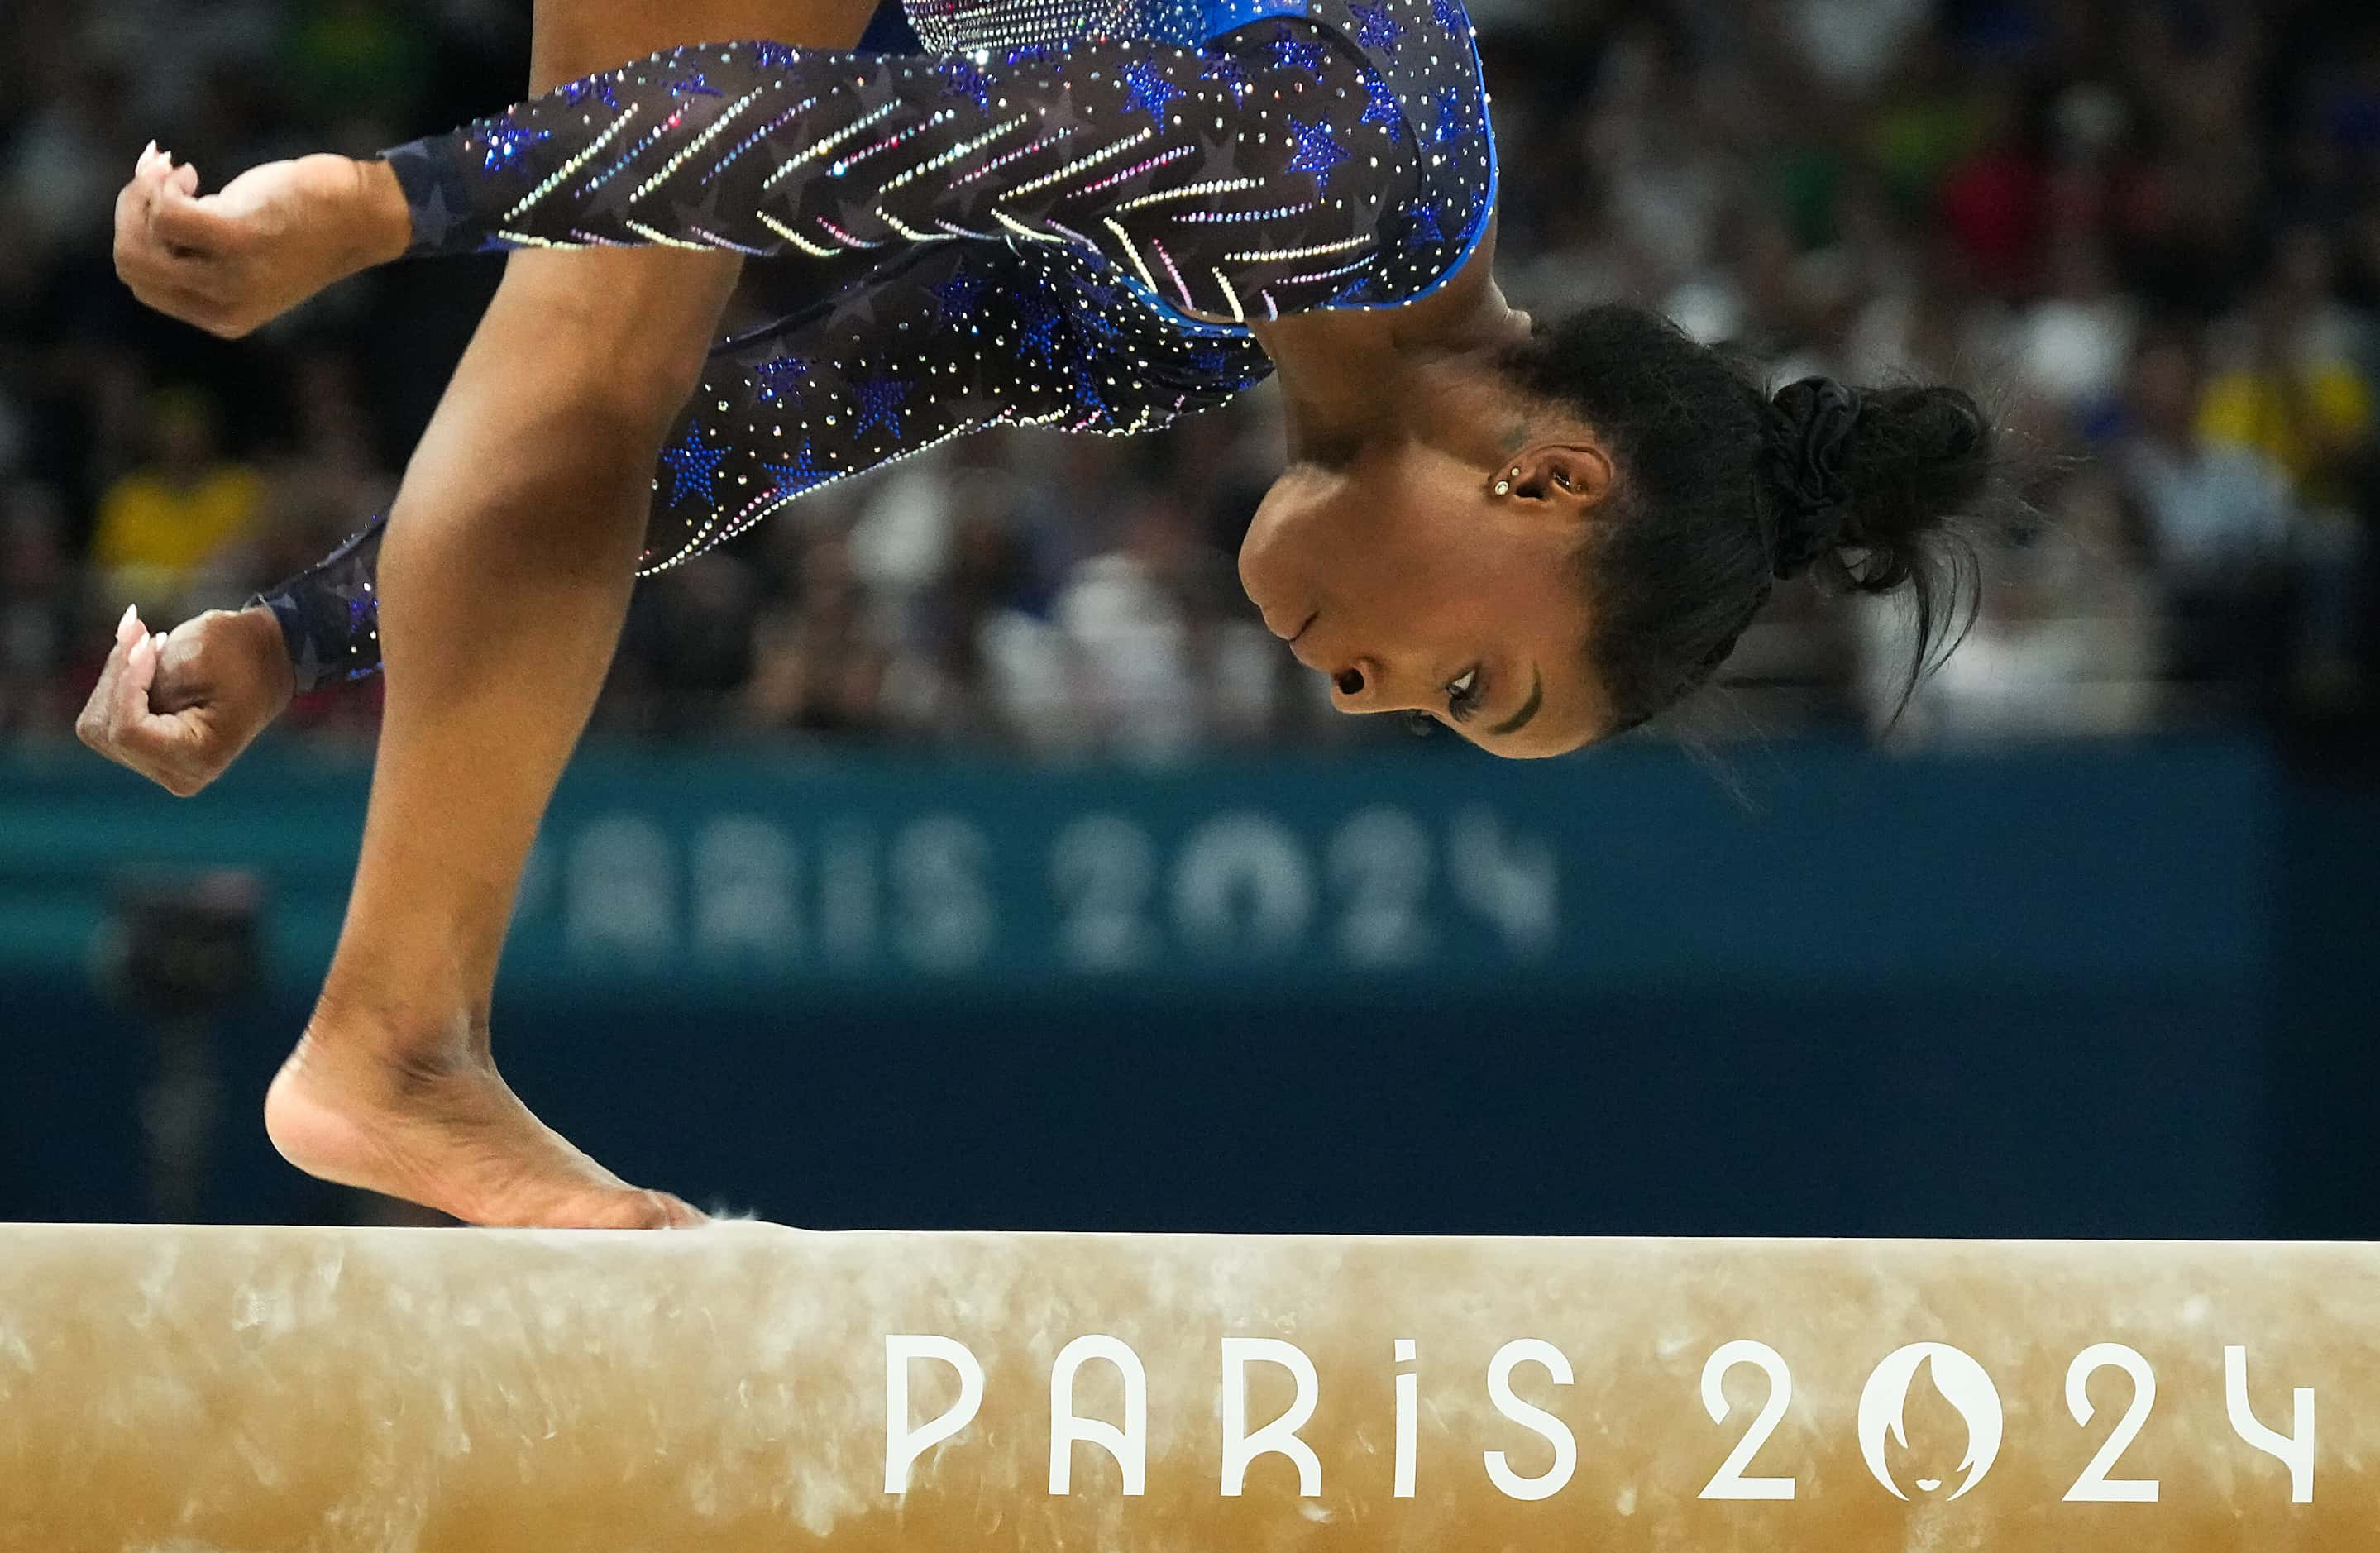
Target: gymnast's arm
pixel 779 151
pixel 1232 184
pixel 328 616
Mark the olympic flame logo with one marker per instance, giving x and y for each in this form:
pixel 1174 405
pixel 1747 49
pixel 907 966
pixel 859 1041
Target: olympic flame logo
pixel 1962 1382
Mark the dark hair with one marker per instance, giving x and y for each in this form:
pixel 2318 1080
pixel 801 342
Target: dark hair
pixel 1719 490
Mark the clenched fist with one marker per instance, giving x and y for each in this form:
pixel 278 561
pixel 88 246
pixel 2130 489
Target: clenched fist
pixel 231 261
pixel 179 708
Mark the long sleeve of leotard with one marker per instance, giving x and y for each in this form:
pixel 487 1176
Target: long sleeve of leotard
pixel 329 613
pixel 1246 181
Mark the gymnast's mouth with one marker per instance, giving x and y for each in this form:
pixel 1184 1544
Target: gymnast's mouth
pixel 1293 637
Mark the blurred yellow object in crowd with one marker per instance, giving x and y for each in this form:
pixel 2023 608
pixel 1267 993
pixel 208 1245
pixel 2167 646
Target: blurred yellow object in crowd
pixel 171 516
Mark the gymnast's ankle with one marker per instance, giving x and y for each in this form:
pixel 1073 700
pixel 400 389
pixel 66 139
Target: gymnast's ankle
pixel 414 1040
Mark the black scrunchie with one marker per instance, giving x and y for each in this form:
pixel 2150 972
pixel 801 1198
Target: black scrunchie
pixel 1815 419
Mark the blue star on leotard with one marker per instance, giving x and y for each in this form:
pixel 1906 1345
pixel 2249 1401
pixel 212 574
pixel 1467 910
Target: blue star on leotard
pixel 781 381
pixel 1291 52
pixel 880 405
pixel 1356 291
pixel 1099 308
pixel 1453 116
pixel 693 468
pixel 603 87
pixel 775 57
pixel 695 84
pixel 1428 226
pixel 506 142
pixel 1318 152
pixel 1449 15
pixel 1377 29
pixel 1032 54
pixel 963 78
pixel 1227 69
pixel 1225 366
pixel 801 475
pixel 958 294
pixel 1042 320
pixel 1383 106
pixel 1151 93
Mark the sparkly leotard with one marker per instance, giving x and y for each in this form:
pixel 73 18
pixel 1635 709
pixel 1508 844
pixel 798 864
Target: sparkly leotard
pixel 1067 213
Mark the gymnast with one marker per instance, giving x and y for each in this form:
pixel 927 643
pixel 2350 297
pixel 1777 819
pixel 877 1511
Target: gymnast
pixel 1099 215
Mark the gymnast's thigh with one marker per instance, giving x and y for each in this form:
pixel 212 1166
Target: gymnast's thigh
pixel 628 331
pixel 578 37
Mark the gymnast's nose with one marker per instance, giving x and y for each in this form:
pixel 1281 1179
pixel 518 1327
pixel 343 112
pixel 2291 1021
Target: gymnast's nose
pixel 1359 682
pixel 1364 686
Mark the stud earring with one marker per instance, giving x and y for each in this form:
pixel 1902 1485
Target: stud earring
pixel 1504 486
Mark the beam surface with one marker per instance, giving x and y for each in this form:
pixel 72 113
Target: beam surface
pixel 746 1386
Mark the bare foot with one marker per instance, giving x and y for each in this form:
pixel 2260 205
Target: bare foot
pixel 448 1133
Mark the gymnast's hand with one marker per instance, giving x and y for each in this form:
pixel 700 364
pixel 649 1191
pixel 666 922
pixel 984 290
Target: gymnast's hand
pixel 180 708
pixel 231 261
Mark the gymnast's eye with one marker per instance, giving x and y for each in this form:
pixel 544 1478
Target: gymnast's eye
pixel 1463 697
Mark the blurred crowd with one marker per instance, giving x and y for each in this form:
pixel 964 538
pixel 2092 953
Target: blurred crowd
pixel 2148 232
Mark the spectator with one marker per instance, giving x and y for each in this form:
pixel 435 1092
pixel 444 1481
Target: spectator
pixel 820 665
pixel 61 169
pixel 331 478
pixel 164 525
pixel 2073 345
pixel 1994 201
pixel 2063 645
pixel 2217 516
pixel 1136 617
pixel 2292 390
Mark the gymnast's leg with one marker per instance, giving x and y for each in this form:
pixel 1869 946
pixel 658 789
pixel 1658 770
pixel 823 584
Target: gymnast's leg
pixel 505 580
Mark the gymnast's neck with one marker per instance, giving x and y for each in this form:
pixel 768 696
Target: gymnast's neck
pixel 1352 379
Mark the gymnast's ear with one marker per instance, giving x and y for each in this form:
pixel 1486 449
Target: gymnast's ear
pixel 1573 475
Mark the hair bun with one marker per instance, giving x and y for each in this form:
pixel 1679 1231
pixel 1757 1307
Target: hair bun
pixel 1874 471
pixel 1816 419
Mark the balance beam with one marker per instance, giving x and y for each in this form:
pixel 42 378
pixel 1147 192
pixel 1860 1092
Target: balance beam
pixel 748 1388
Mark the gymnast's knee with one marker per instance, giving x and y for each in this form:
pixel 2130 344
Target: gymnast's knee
pixel 623 336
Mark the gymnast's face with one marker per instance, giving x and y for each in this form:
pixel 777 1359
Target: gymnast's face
pixel 1415 587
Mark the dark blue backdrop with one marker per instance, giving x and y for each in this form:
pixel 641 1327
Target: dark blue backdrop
pixel 2088 990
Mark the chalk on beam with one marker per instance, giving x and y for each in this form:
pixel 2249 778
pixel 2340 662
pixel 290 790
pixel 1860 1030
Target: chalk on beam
pixel 751 1388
